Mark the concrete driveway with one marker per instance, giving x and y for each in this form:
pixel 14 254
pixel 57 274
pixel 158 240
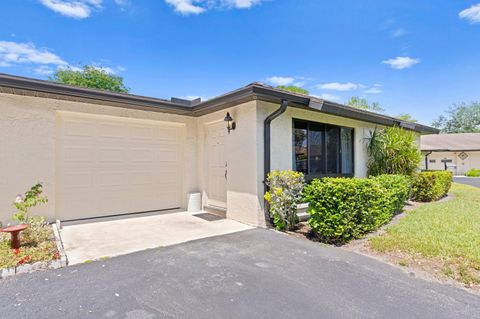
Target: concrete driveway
pixel 100 239
pixel 251 274
pixel 472 181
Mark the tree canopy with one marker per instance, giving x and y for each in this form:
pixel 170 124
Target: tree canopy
pixel 460 118
pixel 293 88
pixel 406 117
pixel 91 77
pixel 361 103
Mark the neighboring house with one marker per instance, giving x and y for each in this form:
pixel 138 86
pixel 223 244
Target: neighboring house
pixel 100 153
pixel 456 152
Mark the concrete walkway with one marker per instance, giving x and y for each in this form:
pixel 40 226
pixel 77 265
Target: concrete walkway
pixel 91 241
pixel 472 181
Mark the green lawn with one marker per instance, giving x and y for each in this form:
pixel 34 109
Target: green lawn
pixel 443 236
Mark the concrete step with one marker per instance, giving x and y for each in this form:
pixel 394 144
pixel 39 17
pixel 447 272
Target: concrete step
pixel 219 211
pixel 302 212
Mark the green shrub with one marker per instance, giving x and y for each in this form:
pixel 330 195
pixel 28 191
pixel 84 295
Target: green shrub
pixel 284 195
pixel 431 186
pixel 343 209
pixel 399 187
pixel 473 173
pixel 393 151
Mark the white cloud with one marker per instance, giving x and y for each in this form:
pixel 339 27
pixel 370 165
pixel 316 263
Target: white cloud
pixel 43 70
pixel 70 67
pixel 26 53
pixel 375 89
pixel 399 32
pixel 185 7
pixel 241 4
pixel 401 62
pixel 188 7
pixel 105 69
pixel 281 80
pixel 41 60
pixel 329 97
pixel 336 86
pixel 471 14
pixel 78 9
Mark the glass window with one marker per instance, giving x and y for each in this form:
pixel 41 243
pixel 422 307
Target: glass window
pixel 322 149
pixel 300 147
pixel 347 150
pixel 333 149
pixel 315 147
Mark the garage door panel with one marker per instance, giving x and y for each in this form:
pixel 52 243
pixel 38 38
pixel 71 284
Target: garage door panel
pixel 111 131
pixel 75 181
pixel 77 154
pixel 111 180
pixel 78 128
pixel 119 166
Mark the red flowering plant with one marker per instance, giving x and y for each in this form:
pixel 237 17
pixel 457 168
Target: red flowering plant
pixel 37 241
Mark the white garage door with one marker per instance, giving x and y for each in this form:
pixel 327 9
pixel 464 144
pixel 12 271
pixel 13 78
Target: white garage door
pixel 109 165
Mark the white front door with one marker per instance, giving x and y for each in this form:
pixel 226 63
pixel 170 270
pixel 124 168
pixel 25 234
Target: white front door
pixel 217 172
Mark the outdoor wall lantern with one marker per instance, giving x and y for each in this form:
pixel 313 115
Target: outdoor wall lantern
pixel 231 125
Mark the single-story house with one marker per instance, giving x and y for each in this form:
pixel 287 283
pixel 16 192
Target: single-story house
pixel 100 153
pixel 456 152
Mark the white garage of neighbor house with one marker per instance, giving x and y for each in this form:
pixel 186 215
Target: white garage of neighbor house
pixel 459 152
pixel 100 153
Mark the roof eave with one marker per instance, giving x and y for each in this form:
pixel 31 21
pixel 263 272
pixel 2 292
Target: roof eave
pixel 28 86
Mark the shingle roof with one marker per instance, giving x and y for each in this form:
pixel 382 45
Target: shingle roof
pixel 451 142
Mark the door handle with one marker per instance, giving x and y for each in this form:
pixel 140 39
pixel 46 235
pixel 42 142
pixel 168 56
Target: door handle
pixel 225 174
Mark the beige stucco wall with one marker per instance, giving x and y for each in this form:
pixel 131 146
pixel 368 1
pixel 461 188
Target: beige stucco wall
pixel 243 202
pixel 28 146
pixel 462 166
pixel 28 141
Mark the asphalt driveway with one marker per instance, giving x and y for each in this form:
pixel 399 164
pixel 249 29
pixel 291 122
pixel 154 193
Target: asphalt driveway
pixel 251 274
pixel 472 181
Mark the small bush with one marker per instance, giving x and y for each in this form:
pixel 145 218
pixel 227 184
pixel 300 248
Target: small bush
pixel 473 173
pixel 284 195
pixel 399 187
pixel 343 209
pixel 431 186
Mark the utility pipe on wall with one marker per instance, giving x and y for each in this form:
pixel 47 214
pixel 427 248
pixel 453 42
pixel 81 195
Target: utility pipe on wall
pixel 426 160
pixel 266 153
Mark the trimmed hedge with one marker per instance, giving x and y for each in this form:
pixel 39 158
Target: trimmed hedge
pixel 342 209
pixel 399 186
pixel 473 173
pixel 431 186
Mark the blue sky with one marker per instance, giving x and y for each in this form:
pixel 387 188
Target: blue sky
pixel 417 57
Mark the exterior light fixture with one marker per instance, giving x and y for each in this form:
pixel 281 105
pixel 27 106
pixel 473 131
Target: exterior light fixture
pixel 231 125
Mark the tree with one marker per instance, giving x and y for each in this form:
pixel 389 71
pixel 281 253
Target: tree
pixel 361 103
pixel 91 77
pixel 460 118
pixel 406 117
pixel 294 89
